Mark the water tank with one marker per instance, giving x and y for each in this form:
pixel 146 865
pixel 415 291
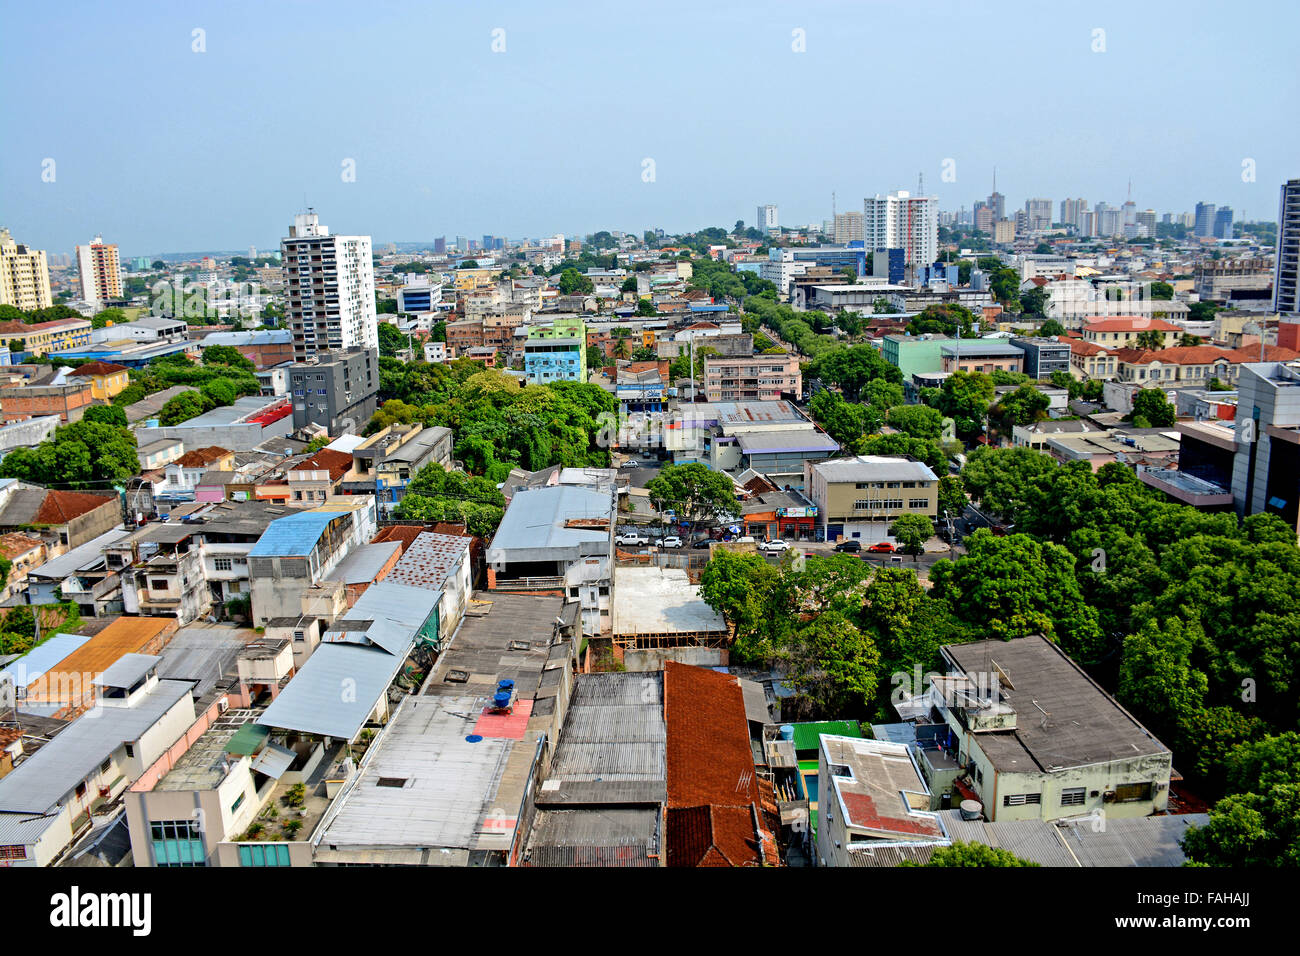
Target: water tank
pixel 971 810
pixel 787 731
pixel 501 699
pixel 505 684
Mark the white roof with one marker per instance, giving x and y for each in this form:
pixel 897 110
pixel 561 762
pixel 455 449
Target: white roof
pixel 874 468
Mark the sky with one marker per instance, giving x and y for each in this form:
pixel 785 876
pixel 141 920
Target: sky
pixel 528 119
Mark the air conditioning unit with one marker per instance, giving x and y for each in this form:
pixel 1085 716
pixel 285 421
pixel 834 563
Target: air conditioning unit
pixel 223 704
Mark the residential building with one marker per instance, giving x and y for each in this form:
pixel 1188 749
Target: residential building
pixel 335 390
pixel 182 475
pixel 1204 227
pixel 915 354
pixel 557 352
pixel 1039 214
pixel 68 400
pixel 1088 361
pixel 1223 223
pixel 1219 278
pixel 25 552
pixel 1119 331
pixel 847 228
pixel 859 498
pixel 67 518
pixel 329 289
pixel 900 220
pixel 50 800
pixel 24 275
pixel 558 539
pixel 1286 275
pixel 78 574
pixel 766 219
pixel 250 421
pixel 1189 366
pixel 100 270
pixel 1042 738
pixel 442 563
pixel 319 477
pixel 384 464
pixel 105 380
pixel 753 378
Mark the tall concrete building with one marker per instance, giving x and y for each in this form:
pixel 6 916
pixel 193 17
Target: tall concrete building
pixel 767 219
pixel 848 227
pixel 101 279
pixel 903 221
pixel 330 289
pixel 1204 220
pixel 1038 212
pixel 335 390
pixel 998 203
pixel 1286 276
pixel 1072 211
pixel 24 275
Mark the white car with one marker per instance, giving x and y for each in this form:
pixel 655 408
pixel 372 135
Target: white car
pixel 632 538
pixel 672 541
pixel 776 544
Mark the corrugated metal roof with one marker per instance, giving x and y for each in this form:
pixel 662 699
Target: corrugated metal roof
pixel 293 535
pixel 874 468
pixel 46 655
pixel 429 559
pixel 395 612
pixel 83 557
pixel 127 670
pixel 807 736
pixel 364 562
pixel 41 781
pixel 335 691
pixel 536 519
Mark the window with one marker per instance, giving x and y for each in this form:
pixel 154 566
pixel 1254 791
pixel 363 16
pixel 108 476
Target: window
pixel 177 843
pixel 235 806
pixel 13 853
pixel 1021 799
pixel 104 767
pixel 81 789
pixel 1132 792
pixel 159 584
pixel 915 503
pixel 222 564
pixel 299 637
pixel 130 751
pixel 1072 797
pixel 269 855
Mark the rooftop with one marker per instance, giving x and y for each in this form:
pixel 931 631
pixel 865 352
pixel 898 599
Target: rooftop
pixel 880 790
pixel 428 559
pixel 1068 720
pixel 873 468
pixel 660 601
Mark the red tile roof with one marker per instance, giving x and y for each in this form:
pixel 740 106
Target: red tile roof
pixel 713 836
pixel 338 463
pixel 98 368
pixel 1080 347
pixel 1180 355
pixel 405 533
pixel 1129 323
pixel 200 457
pixel 1272 353
pixel 60 507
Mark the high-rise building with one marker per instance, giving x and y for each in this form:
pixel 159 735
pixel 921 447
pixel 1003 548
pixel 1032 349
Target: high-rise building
pixel 983 217
pixel 1087 223
pixel 1004 230
pixel 329 288
pixel 767 219
pixel 1072 211
pixel 24 275
pixel 1204 220
pixel 1223 223
pixel 1109 221
pixel 1039 214
pixel 848 227
pixel 1130 212
pixel 440 246
pixel 1286 275
pixel 101 279
pixel 998 204
pixel 1147 220
pixel 903 221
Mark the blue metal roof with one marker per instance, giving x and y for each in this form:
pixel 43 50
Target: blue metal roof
pixel 293 535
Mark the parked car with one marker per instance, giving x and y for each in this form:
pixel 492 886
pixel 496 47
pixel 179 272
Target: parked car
pixel 632 538
pixel 849 547
pixel 672 541
pixel 702 544
pixel 884 547
pixel 775 544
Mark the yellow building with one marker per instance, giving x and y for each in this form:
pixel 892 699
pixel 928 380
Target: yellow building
pixel 106 380
pixel 41 337
pixel 24 275
pixel 467 280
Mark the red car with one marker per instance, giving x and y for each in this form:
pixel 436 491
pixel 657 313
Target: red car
pixel 883 548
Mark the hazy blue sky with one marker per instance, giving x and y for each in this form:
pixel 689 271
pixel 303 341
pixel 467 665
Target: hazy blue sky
pixel 164 149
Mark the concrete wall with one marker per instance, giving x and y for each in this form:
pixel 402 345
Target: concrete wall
pixel 652 659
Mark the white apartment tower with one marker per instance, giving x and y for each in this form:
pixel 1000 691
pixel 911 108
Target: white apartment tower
pixel 24 275
pixel 847 227
pixel 903 221
pixel 101 278
pixel 330 289
pixel 767 219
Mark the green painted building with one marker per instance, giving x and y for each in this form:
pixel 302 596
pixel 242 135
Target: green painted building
pixel 915 354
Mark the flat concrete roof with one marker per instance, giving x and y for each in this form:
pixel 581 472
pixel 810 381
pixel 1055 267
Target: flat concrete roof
pixel 660 601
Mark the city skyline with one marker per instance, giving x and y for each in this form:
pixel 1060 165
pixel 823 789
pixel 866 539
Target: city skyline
pixel 238 142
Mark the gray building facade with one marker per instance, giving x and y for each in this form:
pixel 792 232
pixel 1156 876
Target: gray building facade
pixel 1044 356
pixel 335 390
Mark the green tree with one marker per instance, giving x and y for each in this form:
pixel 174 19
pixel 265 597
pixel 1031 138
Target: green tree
pixel 972 854
pixel 832 664
pixel 573 282
pixel 1024 406
pixel 965 397
pixel 1051 329
pixel 919 421
pixel 105 415
pixel 912 532
pixel 102 318
pixel 1161 290
pixel 181 408
pixel 391 340
pixel 1151 409
pixel 738 586
pixel 694 492
pixel 227 355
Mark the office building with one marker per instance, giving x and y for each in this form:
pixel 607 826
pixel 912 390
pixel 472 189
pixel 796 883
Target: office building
pixel 1266 463
pixel 1223 223
pixel 101 281
pixel 24 275
pixel 767 219
pixel 1286 277
pixel 1204 220
pixel 903 221
pixel 329 289
pixel 997 204
pixel 859 498
pixel 983 218
pixel 335 390
pixel 1072 211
